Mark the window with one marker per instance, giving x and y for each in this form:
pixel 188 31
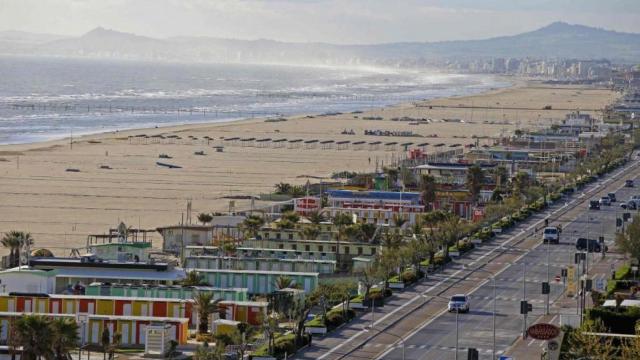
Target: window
pixel 290 236
pixel 333 248
pixel 266 236
pixel 278 236
pixel 294 247
pixel 359 250
pixel 373 251
pixel 320 248
pixel 346 250
pixel 280 246
pixel 307 248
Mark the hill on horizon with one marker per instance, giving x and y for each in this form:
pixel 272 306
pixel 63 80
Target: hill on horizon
pixel 556 40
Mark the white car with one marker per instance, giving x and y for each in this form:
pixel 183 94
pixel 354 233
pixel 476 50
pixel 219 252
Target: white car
pixel 605 200
pixel 458 303
pixel 551 235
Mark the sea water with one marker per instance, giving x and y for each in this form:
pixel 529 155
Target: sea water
pixel 49 98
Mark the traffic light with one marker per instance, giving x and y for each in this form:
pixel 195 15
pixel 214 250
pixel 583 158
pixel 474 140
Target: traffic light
pixel 472 354
pixel 618 222
pixel 563 272
pixel 626 216
pixel 525 307
pixel 588 284
pixel 546 289
pixel 579 257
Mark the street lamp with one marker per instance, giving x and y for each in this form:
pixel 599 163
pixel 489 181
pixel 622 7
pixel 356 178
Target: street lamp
pixel 457 313
pixel 367 328
pixel 495 299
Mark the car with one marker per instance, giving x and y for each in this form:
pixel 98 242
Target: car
pixel 612 196
pixel 551 234
pixel 593 245
pixel 594 205
pixel 629 205
pixel 628 183
pixel 458 303
pixel 605 200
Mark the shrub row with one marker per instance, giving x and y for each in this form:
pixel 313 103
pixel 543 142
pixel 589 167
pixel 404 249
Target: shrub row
pixel 623 322
pixel 284 344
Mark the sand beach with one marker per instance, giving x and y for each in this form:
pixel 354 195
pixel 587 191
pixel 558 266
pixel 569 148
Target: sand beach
pixel 60 193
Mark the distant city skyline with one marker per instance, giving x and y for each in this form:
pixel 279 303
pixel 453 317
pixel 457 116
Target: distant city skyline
pixel 330 21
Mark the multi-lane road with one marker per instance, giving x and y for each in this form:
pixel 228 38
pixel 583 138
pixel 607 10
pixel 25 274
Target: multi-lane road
pixel 415 322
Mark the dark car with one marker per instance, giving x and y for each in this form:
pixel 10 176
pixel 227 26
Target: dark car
pixel 594 245
pixel 612 197
pixel 594 205
pixel 628 183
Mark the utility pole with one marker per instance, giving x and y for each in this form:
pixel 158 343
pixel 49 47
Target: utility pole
pixel 524 298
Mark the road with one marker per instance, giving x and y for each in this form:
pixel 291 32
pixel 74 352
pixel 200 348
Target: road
pixel 419 314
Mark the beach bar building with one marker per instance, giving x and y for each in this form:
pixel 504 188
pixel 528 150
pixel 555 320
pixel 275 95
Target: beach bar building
pixel 257 282
pixel 160 291
pixel 131 328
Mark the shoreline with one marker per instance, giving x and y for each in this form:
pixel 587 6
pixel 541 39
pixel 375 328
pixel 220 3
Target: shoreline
pixel 26 146
pixel 118 179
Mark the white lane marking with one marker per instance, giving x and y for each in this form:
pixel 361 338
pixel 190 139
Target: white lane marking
pixel 411 334
pixel 332 350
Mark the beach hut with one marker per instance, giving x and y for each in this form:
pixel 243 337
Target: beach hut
pixel 375 145
pixel 278 143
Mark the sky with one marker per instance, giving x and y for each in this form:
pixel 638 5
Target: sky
pixel 332 21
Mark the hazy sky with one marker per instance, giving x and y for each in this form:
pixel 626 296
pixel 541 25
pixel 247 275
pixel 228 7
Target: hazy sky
pixel 336 21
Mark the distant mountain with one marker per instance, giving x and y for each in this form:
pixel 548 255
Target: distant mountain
pixel 20 41
pixel 557 40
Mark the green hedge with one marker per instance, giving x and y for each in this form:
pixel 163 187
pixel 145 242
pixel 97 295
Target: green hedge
pixel 616 285
pixel 281 345
pixel 623 322
pixel 623 272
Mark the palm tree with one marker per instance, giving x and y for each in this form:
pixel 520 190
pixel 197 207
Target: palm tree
pixel 391 240
pixel 65 337
pixel 475 178
pixel 428 190
pixel 205 218
pixel 194 279
pixel 398 221
pixel 14 240
pixel 283 282
pixel 34 334
pixel 341 220
pixel 520 183
pixel 115 344
pixel 311 232
pixel 368 231
pixel 205 305
pixel 501 176
pixel 251 224
pixel 105 340
pixel 316 217
pixel 283 188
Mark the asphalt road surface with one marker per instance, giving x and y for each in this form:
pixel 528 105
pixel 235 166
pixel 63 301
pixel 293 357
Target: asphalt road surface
pixel 418 315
